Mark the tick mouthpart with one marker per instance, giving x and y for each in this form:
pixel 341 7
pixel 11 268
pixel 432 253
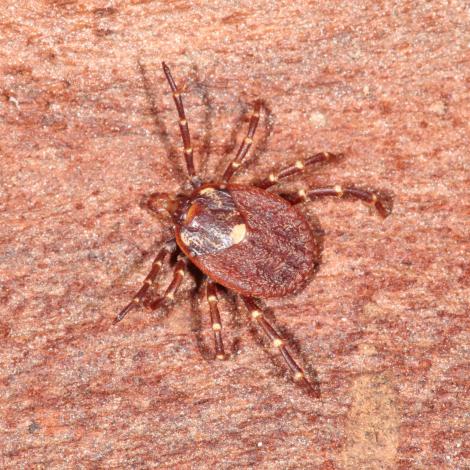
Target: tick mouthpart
pixel 162 203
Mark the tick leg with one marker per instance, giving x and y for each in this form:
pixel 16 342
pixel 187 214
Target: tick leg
pixel 298 167
pixel 148 281
pixel 245 145
pixel 183 122
pixel 211 292
pixel 382 204
pixel 169 294
pixel 279 343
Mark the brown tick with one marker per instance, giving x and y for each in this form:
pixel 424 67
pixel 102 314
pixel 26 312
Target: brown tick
pixel 251 241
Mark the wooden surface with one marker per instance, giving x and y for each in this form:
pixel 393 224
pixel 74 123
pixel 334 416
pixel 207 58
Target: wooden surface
pixel 87 127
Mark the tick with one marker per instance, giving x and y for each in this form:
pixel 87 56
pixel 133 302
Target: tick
pixel 245 238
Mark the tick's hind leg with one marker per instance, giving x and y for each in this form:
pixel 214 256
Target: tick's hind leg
pixel 279 343
pixel 381 202
pixel 148 281
pixel 216 322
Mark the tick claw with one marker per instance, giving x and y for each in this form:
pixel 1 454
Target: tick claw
pixel 123 313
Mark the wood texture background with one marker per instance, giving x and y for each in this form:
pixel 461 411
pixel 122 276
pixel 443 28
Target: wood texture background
pixel 87 127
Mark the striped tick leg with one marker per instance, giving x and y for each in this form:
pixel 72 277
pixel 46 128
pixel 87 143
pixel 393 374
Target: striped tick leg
pixel 148 281
pixel 169 294
pixel 245 145
pixel 183 122
pixel 279 343
pixel 298 167
pixel 215 320
pixel 381 204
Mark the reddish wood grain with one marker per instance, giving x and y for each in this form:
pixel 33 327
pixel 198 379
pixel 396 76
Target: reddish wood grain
pixel 87 127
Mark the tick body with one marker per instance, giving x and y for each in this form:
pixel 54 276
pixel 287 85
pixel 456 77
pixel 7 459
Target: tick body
pixel 245 238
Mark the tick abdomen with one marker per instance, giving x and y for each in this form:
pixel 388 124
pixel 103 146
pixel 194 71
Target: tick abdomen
pixel 247 239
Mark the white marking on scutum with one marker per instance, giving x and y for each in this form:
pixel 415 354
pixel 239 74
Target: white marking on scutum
pixel 238 233
pixel 207 190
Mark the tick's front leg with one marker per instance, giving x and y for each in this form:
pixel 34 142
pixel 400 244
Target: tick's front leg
pixel 245 145
pixel 299 167
pixel 179 272
pixel 148 281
